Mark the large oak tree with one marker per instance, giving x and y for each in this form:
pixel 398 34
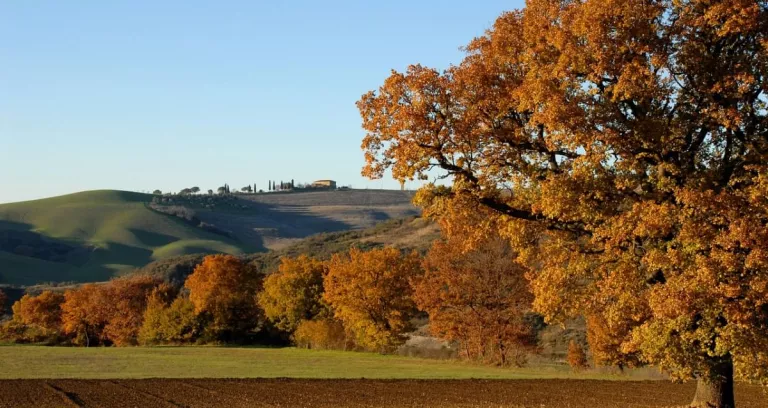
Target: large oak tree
pixel 621 146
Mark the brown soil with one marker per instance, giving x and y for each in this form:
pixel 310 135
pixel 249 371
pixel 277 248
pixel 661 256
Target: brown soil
pixel 355 393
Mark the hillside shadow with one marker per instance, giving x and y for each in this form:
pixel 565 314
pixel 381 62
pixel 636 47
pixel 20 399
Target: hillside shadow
pixel 152 239
pixel 14 226
pixel 275 221
pixel 122 254
pixel 376 215
pixel 18 238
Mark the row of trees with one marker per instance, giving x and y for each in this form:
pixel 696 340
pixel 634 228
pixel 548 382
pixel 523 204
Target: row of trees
pixel 225 189
pixel 368 300
pixel 282 185
pixel 364 300
pixel 216 304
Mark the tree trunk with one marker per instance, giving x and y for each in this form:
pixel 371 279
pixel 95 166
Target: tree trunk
pixel 716 389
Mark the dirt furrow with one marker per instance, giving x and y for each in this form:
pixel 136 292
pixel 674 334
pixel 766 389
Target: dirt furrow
pixel 262 393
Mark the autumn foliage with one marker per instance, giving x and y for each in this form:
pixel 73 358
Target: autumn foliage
pixel 36 318
pixel 224 293
pixel 110 313
pixel 43 310
pixel 479 298
pixel 605 338
pixel 128 297
pixel 84 314
pixel 322 334
pixel 576 357
pixel 621 148
pixel 370 293
pixel 169 320
pixel 294 293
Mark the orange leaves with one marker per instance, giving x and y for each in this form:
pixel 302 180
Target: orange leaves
pixel 732 17
pixel 479 298
pixel 418 98
pixel 620 147
pixel 84 314
pixel 43 310
pixel 129 299
pixel 576 357
pixel 224 290
pixel 111 312
pixel 371 294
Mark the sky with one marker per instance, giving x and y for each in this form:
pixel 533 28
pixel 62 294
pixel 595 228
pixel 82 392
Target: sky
pixel 145 95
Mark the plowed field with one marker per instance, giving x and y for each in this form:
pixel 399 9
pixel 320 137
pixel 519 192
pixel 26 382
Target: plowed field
pixel 354 393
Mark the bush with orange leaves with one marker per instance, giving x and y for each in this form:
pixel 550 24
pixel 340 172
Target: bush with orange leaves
pixel 294 293
pixel 109 313
pixel 129 297
pixel 224 293
pixel 35 318
pixel 479 298
pixel 322 334
pixel 369 292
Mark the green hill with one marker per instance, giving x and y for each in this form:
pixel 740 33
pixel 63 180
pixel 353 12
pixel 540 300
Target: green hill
pixel 94 235
pixel 409 234
pixel 110 231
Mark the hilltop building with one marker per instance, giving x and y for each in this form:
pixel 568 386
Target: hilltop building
pixel 331 184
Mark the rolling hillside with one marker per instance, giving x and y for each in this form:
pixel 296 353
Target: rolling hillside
pixel 410 233
pixel 91 236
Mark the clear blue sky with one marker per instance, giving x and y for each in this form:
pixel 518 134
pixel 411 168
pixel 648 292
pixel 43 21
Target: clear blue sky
pixel 139 95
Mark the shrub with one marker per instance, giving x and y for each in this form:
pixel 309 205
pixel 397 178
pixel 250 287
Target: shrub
pixel 323 334
pixel 109 313
pixel 577 358
pixel 169 324
pixel 43 310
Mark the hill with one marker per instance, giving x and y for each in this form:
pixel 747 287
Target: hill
pixel 91 236
pixel 411 233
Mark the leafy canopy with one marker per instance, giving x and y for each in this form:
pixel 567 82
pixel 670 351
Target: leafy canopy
pixel 370 293
pixel 622 148
pixel 294 293
pixel 480 299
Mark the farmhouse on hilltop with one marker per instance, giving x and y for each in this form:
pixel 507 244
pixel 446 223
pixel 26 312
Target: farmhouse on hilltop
pixel 324 184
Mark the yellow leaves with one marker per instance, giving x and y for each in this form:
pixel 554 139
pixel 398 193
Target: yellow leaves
pixel 294 293
pixel 370 293
pixel 732 17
